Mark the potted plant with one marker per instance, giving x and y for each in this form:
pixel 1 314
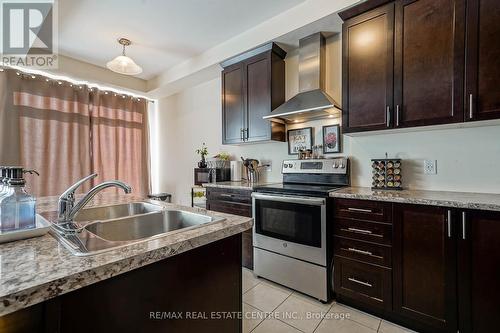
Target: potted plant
pixel 203 151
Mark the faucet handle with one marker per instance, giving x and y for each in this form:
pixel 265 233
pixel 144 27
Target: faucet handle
pixel 69 194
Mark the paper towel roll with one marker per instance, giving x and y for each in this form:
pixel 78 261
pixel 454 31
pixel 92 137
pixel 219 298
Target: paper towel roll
pixel 236 170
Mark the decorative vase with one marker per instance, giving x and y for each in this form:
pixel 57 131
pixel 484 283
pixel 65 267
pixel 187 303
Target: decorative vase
pixel 202 164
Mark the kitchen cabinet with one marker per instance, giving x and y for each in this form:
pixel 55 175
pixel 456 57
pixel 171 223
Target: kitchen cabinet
pixel 253 84
pixel 362 254
pixel 483 60
pixel 478 271
pixel 433 269
pixel 237 202
pixel 414 63
pixel 367 73
pixel 424 264
pixel 200 282
pixel 233 104
pixel 429 62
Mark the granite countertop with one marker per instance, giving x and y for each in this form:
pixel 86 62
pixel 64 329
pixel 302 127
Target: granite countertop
pixel 238 185
pixel 464 200
pixel 37 269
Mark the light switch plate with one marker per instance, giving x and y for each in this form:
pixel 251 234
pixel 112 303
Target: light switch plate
pixel 430 167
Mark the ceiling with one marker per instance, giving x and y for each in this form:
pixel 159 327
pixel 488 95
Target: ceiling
pixel 163 32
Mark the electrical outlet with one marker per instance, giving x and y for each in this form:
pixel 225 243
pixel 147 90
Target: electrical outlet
pixel 430 167
pixel 269 166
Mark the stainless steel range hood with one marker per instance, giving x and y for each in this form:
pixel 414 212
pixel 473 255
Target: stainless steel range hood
pixel 312 102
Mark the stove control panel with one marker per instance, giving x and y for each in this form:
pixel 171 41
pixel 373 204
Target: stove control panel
pixel 328 166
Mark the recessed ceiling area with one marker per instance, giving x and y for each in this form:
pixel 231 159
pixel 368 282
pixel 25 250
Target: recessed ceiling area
pixel 164 33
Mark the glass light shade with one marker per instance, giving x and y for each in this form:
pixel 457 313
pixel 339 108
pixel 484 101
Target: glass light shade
pixel 124 65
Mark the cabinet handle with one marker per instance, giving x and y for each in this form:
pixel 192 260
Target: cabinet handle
pixel 360 282
pixel 449 223
pixel 368 253
pixel 359 210
pixel 388 115
pixel 245 134
pixel 362 231
pixel 464 225
pixel 471 106
pixel 226 195
pixel 397 115
pixel 242 134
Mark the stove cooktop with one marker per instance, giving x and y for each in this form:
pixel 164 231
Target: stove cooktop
pixel 298 189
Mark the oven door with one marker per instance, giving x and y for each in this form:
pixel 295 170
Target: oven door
pixel 294 226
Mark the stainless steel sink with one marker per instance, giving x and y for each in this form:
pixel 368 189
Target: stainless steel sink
pixel 147 225
pixel 115 211
pixel 109 227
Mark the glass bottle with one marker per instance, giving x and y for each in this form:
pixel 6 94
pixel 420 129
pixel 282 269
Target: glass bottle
pixel 17 207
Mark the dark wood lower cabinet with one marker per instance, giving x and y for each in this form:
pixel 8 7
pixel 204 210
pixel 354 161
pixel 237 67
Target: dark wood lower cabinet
pixel 200 282
pixel 237 202
pixel 479 271
pixel 424 264
pixel 445 266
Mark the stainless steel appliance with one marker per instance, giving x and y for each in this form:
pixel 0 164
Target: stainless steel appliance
pixel 292 223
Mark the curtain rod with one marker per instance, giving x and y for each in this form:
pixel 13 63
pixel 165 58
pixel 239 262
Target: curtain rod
pixel 74 81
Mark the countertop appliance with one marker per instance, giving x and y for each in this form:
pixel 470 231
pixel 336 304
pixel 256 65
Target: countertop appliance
pixel 292 222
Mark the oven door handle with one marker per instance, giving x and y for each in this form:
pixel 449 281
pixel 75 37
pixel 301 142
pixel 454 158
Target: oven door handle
pixel 290 199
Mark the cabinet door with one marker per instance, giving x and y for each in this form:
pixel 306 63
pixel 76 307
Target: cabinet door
pixel 368 70
pixel 483 60
pixel 424 264
pixel 479 272
pixel 429 62
pixel 258 102
pixel 233 104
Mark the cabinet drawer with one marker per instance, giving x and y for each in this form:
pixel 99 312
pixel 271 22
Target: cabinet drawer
pixel 366 283
pixel 230 207
pixel 231 195
pixel 362 230
pixel 364 210
pixel 363 251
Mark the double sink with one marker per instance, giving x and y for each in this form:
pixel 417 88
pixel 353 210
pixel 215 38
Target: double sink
pixel 98 229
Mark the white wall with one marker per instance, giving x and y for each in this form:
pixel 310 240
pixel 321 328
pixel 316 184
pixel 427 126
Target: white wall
pixel 468 158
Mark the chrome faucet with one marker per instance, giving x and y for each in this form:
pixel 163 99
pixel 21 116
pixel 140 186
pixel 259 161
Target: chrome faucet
pixel 66 205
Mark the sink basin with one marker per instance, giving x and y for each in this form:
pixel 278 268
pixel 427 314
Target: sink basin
pixel 116 211
pixel 109 227
pixel 144 226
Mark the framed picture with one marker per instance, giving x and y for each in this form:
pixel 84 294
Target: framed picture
pixel 331 139
pixel 299 139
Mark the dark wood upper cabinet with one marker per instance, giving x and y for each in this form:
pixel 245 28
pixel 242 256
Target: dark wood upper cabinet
pixel 446 63
pixel 429 62
pixel 368 70
pixel 479 272
pixel 483 60
pixel 424 264
pixel 253 84
pixel 233 101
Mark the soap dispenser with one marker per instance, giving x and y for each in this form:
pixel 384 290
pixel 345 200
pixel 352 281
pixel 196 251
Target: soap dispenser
pixel 3 180
pixel 17 207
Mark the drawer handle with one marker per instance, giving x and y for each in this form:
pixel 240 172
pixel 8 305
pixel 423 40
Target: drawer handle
pixel 368 253
pixel 366 284
pixel 226 195
pixel 360 210
pixel 362 231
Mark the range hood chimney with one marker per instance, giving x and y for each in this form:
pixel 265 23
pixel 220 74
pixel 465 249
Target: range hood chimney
pixel 312 102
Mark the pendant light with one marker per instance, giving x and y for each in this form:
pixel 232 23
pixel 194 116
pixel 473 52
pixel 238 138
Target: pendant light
pixel 123 64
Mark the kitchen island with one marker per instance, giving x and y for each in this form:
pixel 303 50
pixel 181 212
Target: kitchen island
pixel 194 273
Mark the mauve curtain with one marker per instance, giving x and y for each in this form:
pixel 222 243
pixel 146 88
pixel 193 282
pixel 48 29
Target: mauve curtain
pixel 53 131
pixel 120 139
pixel 67 131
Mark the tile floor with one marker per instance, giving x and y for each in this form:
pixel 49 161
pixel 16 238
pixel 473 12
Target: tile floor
pixel 271 308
